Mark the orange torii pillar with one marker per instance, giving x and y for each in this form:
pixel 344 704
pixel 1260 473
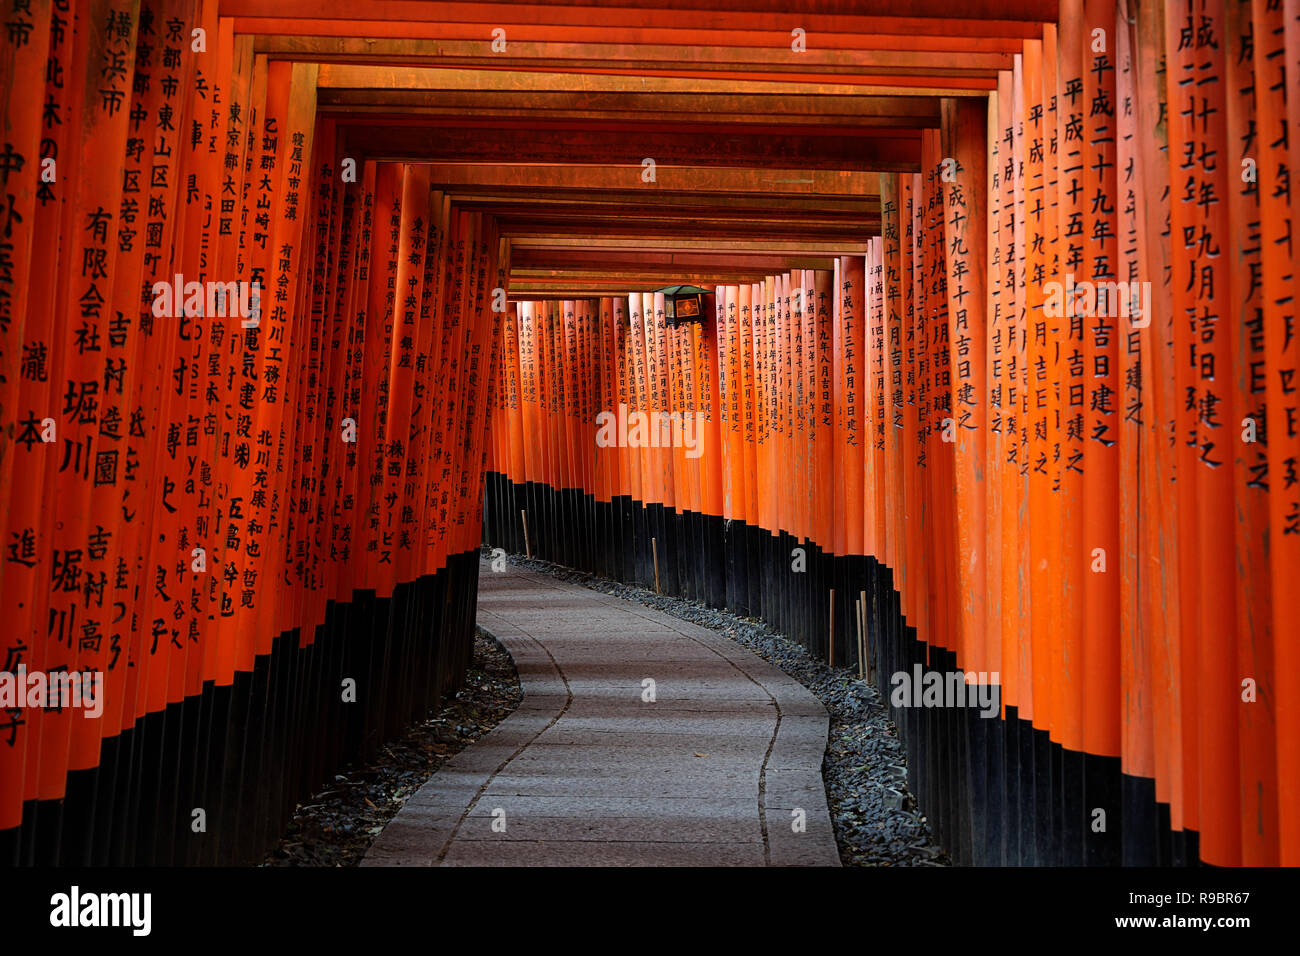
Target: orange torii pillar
pixel 265 484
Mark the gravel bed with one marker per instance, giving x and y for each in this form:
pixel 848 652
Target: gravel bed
pixel 336 826
pixel 876 819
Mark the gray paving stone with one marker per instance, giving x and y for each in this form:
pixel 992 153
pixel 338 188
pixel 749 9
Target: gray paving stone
pixel 588 773
pixel 701 829
pixel 611 707
pixel 555 853
pixel 711 806
pixel 632 781
pixel 657 723
pixel 690 744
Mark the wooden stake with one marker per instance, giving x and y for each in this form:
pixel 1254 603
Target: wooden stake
pixel 654 546
pixel 832 641
pixel 857 623
pixel 865 651
pixel 523 516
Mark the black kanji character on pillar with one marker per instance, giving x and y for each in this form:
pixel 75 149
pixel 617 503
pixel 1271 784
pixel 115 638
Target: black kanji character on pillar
pixel 159 628
pixel 11 162
pixel 22 549
pixel 13 657
pixel 14 721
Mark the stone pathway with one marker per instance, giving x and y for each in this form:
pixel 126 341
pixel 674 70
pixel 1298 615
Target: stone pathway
pixel 721 768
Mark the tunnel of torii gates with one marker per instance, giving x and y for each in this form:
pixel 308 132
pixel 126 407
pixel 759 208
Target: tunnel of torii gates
pixel 923 427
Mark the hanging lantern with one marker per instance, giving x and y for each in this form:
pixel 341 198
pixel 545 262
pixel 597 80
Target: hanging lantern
pixel 684 303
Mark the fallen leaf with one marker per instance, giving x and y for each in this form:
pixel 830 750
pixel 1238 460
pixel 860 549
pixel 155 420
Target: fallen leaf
pixel 698 754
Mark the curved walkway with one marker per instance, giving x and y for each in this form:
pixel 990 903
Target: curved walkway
pixel 721 768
